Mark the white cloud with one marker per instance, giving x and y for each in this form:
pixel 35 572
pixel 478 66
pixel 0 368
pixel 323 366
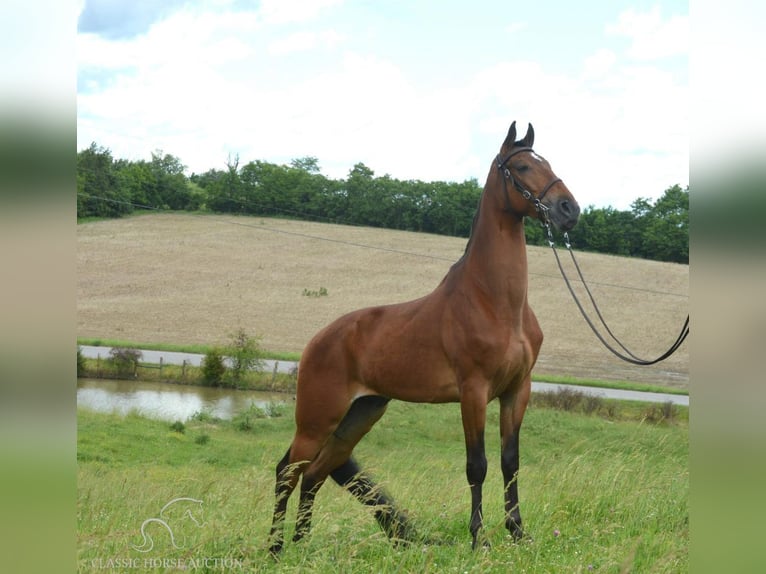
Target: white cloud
pixel 517 26
pixel 653 37
pixel 305 41
pixel 289 11
pixel 600 131
pixel 204 85
pixel 599 64
pixel 184 39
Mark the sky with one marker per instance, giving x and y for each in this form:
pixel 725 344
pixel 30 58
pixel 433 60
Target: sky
pixel 420 89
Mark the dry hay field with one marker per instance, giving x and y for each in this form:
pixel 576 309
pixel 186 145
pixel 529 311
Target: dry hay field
pixel 195 279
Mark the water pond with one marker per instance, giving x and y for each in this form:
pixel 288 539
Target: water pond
pixel 167 401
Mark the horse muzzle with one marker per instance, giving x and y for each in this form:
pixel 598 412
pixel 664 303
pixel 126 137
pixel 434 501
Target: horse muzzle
pixel 564 214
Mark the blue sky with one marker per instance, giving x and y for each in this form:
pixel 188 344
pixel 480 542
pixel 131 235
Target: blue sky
pixel 418 90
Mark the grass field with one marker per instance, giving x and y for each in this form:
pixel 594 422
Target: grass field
pixel 188 279
pixel 596 496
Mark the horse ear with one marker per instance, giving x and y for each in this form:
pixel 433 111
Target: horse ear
pixel 529 139
pixel 510 139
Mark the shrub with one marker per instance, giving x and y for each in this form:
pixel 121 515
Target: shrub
pixel 563 398
pixel 178 426
pixel 80 363
pixel 244 420
pixel 592 404
pixel 569 399
pixel 664 413
pixel 314 293
pixel 202 439
pixel 246 354
pixel 125 359
pixel 668 411
pixel 204 417
pixel 274 410
pixel 213 368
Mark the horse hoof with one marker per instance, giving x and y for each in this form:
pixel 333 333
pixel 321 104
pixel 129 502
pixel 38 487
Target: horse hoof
pixel 521 538
pixel 481 543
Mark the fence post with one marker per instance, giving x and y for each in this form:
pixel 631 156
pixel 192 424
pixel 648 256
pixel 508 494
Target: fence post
pixel 274 374
pixel 160 366
pixel 183 370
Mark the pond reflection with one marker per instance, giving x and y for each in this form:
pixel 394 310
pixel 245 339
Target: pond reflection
pixel 167 401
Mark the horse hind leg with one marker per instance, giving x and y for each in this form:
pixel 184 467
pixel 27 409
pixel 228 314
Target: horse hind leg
pixel 287 478
pixel 288 472
pixel 335 460
pixel 393 522
pixel 365 412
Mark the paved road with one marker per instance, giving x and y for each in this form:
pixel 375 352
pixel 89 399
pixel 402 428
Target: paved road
pixel 193 359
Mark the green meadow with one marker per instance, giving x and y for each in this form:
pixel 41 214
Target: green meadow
pixel 597 495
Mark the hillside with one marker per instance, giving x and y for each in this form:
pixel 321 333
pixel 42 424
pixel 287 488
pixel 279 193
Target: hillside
pixel 182 278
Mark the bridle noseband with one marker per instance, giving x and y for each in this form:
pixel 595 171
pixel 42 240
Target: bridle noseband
pixel 542 209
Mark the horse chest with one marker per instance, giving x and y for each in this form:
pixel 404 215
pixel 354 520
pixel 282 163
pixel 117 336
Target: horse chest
pixel 509 350
pixel 518 357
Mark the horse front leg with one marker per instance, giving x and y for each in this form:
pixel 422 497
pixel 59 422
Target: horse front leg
pixel 509 461
pixel 512 410
pixel 474 410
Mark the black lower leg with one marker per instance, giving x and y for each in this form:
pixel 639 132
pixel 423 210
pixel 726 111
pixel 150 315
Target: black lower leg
pixel 309 489
pixel 393 522
pixel 476 472
pixel 282 492
pixel 509 462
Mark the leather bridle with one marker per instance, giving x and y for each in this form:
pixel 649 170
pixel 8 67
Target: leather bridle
pixel 537 201
pixel 542 210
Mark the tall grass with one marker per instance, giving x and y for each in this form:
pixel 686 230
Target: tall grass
pixel 596 495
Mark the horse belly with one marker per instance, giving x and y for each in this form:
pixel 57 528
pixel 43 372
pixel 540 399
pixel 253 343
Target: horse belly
pixel 403 359
pixel 412 377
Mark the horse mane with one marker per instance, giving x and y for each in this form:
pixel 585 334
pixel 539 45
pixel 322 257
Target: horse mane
pixel 470 234
pixel 476 216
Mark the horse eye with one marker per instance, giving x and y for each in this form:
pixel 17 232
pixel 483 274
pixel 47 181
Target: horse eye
pixel 522 168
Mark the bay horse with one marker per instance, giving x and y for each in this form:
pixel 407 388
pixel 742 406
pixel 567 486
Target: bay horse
pixel 474 338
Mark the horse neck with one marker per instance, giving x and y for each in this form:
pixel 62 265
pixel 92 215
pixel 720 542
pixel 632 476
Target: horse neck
pixel 495 261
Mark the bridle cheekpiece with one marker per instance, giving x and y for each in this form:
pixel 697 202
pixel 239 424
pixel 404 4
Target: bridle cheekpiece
pixel 540 207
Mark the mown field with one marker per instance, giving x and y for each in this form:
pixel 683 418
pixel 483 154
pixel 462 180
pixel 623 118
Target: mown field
pixel 187 279
pixel 596 496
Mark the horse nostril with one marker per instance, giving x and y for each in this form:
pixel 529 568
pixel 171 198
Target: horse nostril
pixel 568 209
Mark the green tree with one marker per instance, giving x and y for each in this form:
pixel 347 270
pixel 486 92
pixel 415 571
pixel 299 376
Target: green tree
pixel 359 188
pixel 309 164
pixel 213 368
pixel 665 235
pixel 173 191
pixel 305 185
pixel 98 192
pixel 606 230
pixel 261 187
pixel 534 232
pixel 139 181
pixel 245 354
pixel 223 189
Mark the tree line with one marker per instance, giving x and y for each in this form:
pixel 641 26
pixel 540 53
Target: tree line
pixel 109 187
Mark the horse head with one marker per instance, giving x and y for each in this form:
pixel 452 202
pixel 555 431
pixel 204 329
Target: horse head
pixel 534 191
